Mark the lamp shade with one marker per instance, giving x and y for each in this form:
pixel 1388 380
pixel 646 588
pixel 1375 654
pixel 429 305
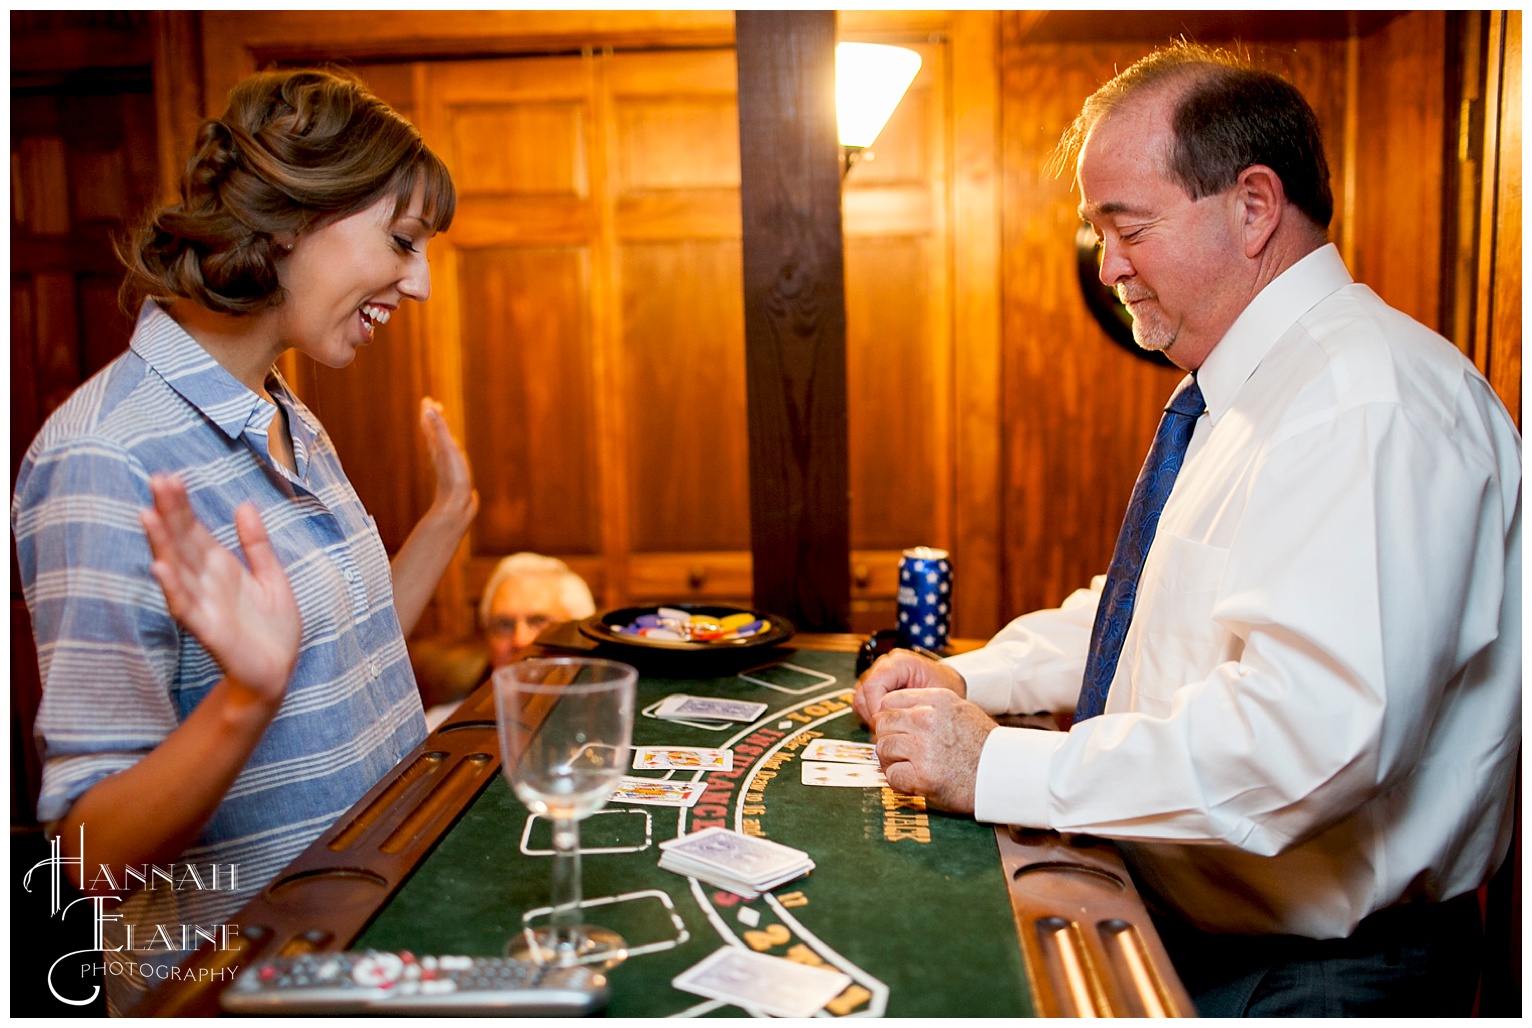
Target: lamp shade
pixel 870 80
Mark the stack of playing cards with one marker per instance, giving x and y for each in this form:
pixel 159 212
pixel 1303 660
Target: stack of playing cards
pixel 742 864
pixel 689 709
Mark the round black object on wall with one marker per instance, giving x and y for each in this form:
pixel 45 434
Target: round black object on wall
pixel 1102 301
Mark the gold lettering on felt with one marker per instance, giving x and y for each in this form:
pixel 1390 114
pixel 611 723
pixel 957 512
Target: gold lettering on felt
pixel 801 954
pixel 752 826
pixel 897 826
pixel 824 707
pixel 902 801
pixel 771 935
pixel 793 899
pixel 853 997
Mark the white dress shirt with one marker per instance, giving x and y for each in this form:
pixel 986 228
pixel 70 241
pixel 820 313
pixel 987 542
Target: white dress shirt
pixel 1317 710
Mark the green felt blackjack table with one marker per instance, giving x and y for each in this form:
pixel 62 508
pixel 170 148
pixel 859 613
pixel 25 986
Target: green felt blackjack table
pixel 928 914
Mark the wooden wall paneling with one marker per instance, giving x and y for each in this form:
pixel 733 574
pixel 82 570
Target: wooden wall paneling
pixel 1499 314
pixel 25 400
pixel 179 102
pixel 519 137
pixel 607 371
pixel 683 340
pixel 104 328
pixel 977 517
pixel 59 370
pixel 1399 164
pixel 897 363
pixel 1467 35
pixel 1325 71
pixel 233 40
pixel 58 44
pixel 674 175
pixel 44 185
pixel 794 316
pixel 529 399
pixel 437 368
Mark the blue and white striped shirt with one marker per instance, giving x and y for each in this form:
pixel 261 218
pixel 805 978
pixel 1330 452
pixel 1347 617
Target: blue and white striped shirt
pixel 119 674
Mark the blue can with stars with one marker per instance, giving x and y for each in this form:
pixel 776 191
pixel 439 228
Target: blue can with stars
pixel 925 598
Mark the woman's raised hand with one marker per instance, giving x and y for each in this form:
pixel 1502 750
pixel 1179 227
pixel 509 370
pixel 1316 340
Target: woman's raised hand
pixel 247 618
pixel 456 500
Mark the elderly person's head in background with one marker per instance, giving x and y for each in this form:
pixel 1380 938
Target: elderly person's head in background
pixel 527 593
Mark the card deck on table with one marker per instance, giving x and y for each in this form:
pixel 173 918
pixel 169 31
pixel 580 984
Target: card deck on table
pixel 742 864
pixel 841 751
pixel 658 792
pixel 682 706
pixel 769 984
pixel 851 776
pixel 682 758
pixel 744 856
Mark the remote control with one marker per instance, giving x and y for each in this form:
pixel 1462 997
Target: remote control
pixel 401 983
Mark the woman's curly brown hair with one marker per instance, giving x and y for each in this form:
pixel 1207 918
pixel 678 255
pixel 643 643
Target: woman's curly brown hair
pixel 293 151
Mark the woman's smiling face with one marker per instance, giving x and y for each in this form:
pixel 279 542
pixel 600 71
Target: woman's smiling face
pixel 347 277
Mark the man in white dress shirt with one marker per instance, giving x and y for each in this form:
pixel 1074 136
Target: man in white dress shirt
pixel 1308 747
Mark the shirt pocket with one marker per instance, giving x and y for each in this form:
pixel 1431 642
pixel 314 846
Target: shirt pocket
pixel 1173 639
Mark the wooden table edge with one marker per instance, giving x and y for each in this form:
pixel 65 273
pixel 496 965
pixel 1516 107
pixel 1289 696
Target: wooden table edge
pixel 1089 946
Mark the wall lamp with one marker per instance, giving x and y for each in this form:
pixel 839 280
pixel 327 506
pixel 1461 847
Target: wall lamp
pixel 870 80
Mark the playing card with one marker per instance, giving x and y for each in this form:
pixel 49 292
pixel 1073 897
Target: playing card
pixel 682 758
pixel 742 856
pixel 658 793
pixel 769 984
pixel 854 776
pixel 683 706
pixel 841 751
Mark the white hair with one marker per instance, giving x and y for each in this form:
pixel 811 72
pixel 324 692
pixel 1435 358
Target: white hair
pixel 574 594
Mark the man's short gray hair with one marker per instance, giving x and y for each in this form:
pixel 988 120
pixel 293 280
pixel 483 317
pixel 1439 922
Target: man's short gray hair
pixel 574 594
pixel 1228 114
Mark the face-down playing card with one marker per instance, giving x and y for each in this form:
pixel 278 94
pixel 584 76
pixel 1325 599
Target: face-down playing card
pixel 742 856
pixel 708 709
pixel 770 984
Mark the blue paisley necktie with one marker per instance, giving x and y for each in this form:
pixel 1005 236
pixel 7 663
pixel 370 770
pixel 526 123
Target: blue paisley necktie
pixel 1149 495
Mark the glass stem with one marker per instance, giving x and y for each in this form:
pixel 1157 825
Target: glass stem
pixel 565 920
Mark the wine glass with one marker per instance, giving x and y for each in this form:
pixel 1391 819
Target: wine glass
pixel 566 730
